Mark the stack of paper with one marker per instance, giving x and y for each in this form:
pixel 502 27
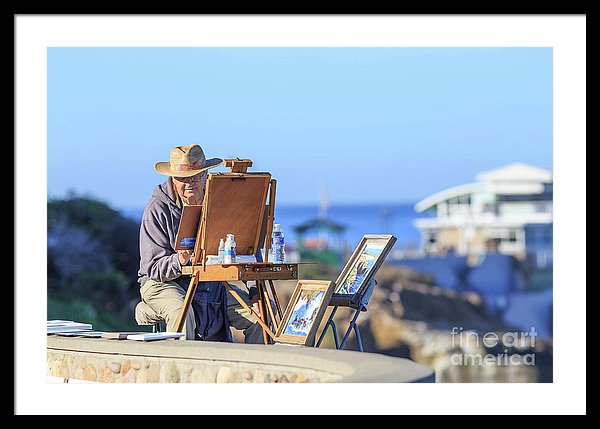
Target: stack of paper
pixel 119 335
pixel 151 336
pixel 62 326
pixel 88 333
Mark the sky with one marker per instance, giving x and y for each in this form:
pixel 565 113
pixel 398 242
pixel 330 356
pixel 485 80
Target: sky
pixel 380 123
pixel 363 125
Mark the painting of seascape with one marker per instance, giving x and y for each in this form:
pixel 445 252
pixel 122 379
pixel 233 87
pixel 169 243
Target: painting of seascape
pixel 361 268
pixel 304 312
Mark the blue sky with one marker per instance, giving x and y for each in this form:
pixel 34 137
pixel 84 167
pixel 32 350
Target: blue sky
pixel 369 125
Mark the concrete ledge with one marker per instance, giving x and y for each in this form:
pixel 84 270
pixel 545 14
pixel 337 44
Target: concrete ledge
pixel 173 361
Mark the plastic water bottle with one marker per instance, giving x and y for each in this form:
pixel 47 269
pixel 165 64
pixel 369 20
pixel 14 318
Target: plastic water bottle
pixel 233 250
pixel 278 245
pixel 221 254
pixel 229 251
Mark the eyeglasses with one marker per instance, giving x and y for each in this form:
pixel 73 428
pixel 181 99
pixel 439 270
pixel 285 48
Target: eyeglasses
pixel 193 179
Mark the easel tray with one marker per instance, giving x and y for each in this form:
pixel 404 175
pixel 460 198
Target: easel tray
pixel 243 271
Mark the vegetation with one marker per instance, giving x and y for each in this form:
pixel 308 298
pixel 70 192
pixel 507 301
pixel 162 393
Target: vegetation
pixel 93 259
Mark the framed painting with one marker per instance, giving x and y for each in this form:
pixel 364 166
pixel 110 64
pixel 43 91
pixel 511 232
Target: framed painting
pixel 363 264
pixel 304 312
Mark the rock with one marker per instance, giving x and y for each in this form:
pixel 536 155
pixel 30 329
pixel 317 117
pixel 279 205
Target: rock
pixel 172 374
pixel 130 377
pixel 223 374
pixel 105 374
pixel 247 376
pixel 153 373
pixel 298 378
pixel 408 316
pixel 258 376
pixel 125 366
pixel 89 373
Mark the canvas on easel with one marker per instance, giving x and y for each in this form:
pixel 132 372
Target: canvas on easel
pixel 188 227
pixel 234 203
pixel 362 266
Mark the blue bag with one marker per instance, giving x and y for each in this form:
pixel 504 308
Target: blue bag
pixel 210 311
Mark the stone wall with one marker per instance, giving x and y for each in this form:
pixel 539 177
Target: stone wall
pixel 173 361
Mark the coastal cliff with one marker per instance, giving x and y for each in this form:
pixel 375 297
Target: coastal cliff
pixel 453 332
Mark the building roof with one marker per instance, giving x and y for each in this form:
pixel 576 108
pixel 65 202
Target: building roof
pixel 319 224
pixel 514 179
pixel 446 194
pixel 516 172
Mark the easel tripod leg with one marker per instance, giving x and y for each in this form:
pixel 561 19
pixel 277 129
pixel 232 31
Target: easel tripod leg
pixel 249 310
pixel 358 340
pixel 279 312
pixel 271 312
pixel 185 308
pixel 262 304
pixel 331 323
pixel 352 324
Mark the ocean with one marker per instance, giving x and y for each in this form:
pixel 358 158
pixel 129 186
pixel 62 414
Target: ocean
pixel 357 220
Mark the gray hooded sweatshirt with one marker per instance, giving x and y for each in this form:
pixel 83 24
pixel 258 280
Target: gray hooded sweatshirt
pixel 158 230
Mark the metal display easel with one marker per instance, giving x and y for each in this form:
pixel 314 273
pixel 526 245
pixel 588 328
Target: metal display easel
pixel 355 284
pixel 358 306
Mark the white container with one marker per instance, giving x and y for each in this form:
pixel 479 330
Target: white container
pixel 278 245
pixel 221 254
pixel 234 249
pixel 229 251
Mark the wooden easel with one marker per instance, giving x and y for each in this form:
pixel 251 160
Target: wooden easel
pixel 236 202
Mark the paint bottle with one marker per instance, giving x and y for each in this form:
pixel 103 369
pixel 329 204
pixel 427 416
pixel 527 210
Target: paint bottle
pixel 221 254
pixel 229 250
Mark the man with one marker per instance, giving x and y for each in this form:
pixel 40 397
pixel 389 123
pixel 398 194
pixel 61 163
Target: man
pixel 162 286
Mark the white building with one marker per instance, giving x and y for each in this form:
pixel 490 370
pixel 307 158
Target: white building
pixel 509 209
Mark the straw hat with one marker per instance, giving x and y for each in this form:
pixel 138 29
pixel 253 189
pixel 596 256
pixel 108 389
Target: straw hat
pixel 186 161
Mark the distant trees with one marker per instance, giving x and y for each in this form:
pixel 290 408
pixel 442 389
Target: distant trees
pixel 93 256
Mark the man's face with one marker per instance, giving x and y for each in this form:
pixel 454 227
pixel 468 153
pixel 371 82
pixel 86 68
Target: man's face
pixel 191 189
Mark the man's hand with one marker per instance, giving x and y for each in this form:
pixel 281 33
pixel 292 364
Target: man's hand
pixel 184 256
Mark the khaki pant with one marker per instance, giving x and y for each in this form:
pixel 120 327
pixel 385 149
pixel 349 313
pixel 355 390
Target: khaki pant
pixel 166 299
